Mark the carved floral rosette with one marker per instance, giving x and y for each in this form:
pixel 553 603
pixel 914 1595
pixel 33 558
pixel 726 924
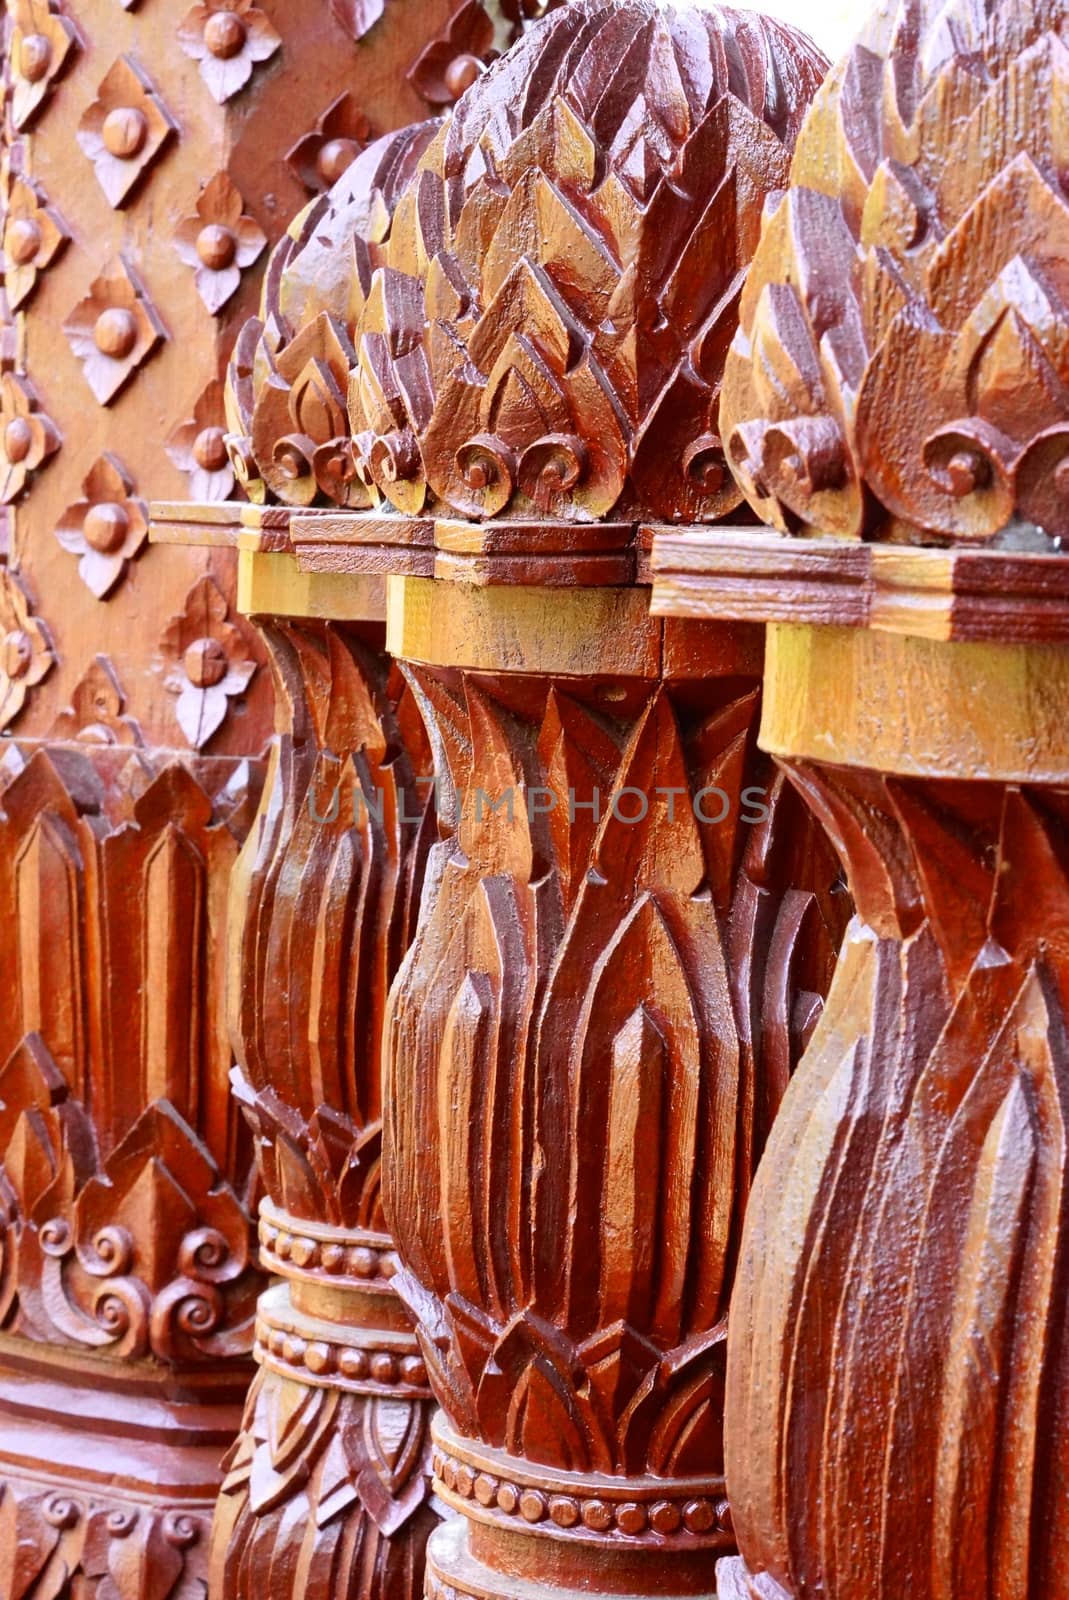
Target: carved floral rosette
pixel 328 1483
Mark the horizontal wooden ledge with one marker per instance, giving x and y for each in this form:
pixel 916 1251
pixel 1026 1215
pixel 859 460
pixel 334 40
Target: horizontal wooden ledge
pixel 227 524
pixel 959 594
pixel 509 553
pixel 272 584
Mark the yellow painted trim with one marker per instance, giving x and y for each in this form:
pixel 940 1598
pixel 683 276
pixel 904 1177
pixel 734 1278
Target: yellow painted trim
pixel 566 632
pixel 272 584
pixel 917 706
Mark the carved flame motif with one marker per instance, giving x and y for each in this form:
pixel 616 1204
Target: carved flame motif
pixel 289 376
pixel 326 1479
pixel 561 281
pixel 545 293
pixel 916 1268
pixel 329 1479
pixel 572 1297
pixel 345 817
pixel 119 1234
pixel 904 342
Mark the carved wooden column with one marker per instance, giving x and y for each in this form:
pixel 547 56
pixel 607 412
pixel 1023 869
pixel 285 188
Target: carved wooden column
pixel 327 1488
pixel 898 1373
pixel 151 153
pixel 607 993
pixel 623 939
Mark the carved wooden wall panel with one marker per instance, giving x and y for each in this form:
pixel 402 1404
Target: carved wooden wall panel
pixel 126 1257
pixel 143 188
pixel 897 1380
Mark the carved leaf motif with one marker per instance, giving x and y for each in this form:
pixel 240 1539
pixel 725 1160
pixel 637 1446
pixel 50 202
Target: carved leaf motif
pixel 554 1008
pixel 335 1484
pixel 904 335
pixel 289 377
pixel 528 335
pixel 357 17
pixel 331 878
pixel 923 1166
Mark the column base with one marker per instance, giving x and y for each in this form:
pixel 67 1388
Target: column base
pixel 109 1471
pixel 541 1534
pixel 455 1572
pixel 327 1490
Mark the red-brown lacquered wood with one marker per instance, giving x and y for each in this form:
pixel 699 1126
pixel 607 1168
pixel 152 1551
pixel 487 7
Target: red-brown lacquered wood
pixel 600 1011
pixel 128 1276
pixel 153 153
pixel 588 1043
pixel 897 1372
pixel 901 357
pixel 594 1025
pixel 326 1491
pixel 921 1159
